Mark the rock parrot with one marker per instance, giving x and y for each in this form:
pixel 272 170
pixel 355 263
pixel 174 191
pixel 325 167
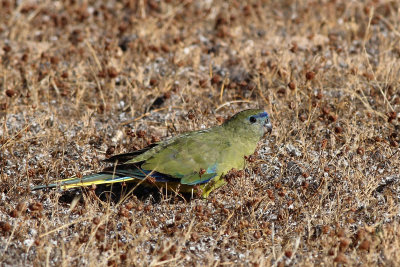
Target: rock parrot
pixel 195 160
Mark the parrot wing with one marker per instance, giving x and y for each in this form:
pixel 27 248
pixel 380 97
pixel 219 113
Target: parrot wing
pixel 144 153
pixel 194 159
pixel 122 158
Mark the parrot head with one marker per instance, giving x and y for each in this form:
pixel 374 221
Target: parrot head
pixel 254 122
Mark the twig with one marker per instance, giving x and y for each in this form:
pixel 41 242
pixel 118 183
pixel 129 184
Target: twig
pixel 233 102
pixel 147 114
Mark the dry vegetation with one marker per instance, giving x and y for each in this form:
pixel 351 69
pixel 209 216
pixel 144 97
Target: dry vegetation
pixel 81 80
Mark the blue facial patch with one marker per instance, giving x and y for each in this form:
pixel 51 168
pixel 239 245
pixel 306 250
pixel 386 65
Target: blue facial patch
pixel 261 115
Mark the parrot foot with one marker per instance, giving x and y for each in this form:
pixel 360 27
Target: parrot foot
pixel 212 185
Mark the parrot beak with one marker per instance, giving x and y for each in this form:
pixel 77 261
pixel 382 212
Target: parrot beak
pixel 267 127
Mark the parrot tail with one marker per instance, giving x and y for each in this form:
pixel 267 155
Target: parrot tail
pixel 124 173
pixel 92 179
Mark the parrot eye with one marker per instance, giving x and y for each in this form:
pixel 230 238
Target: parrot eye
pixel 252 119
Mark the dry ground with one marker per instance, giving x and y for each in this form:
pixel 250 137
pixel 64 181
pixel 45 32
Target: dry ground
pixel 81 80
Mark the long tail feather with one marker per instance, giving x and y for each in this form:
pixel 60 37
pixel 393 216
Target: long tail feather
pixel 98 178
pixel 126 174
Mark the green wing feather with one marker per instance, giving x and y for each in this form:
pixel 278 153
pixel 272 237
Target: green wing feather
pixel 215 151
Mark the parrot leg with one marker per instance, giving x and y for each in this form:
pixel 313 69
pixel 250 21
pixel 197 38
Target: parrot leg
pixel 212 185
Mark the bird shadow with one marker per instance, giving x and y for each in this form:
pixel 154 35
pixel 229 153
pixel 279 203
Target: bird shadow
pixel 118 192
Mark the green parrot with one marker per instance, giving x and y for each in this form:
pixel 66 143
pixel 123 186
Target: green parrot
pixel 191 161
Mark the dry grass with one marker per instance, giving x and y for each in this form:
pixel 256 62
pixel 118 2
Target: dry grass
pixel 82 80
